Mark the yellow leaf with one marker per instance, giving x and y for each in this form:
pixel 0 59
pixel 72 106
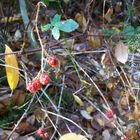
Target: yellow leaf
pixel 72 136
pixel 78 100
pixel 90 109
pixel 11 68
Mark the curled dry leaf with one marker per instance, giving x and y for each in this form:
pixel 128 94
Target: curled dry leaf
pixel 121 52
pixel 72 136
pixel 81 20
pixel 12 71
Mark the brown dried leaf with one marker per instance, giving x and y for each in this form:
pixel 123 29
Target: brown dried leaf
pixel 118 7
pixel 18 97
pixel 136 113
pixel 108 14
pixel 39 114
pixel 95 38
pixel 121 52
pixel 24 128
pixel 3 109
pixel 81 20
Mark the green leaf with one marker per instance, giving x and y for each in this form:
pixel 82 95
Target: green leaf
pixel 67 25
pixel 129 32
pixel 46 2
pixel 46 27
pixel 56 19
pixel 56 33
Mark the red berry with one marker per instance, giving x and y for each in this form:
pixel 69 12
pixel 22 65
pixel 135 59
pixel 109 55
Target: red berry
pixel 44 79
pixel 37 84
pixel 109 114
pixel 31 87
pixel 53 61
pixel 46 135
pixel 34 86
pixel 41 131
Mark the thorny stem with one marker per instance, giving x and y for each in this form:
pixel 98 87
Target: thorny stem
pixel 22 117
pixel 37 31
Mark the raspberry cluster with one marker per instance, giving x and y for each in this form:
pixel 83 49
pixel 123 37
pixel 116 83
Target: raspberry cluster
pixel 41 132
pixel 36 85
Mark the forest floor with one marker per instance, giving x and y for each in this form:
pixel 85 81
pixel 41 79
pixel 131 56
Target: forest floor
pixel 69 70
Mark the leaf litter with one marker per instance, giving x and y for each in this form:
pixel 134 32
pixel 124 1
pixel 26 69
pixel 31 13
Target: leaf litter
pixel 96 73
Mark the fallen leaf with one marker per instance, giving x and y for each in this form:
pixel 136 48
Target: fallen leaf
pixel 78 100
pixel 121 52
pixel 95 38
pixel 86 115
pixel 106 135
pixel 136 113
pixel 18 97
pixel 72 136
pixel 3 109
pixel 124 102
pixel 39 114
pixel 24 128
pixel 12 71
pixel 81 47
pixel 100 122
pixel 118 7
pixel 90 109
pixel 81 21
pixel 108 14
pixel 14 136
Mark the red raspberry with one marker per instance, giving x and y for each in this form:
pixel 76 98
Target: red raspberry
pixel 44 79
pixel 37 84
pixel 53 61
pixel 41 132
pixel 109 114
pixel 30 87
